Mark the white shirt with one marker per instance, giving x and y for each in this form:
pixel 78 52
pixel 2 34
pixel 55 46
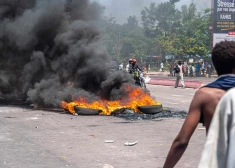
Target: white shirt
pixel 121 66
pixel 181 69
pixel 127 67
pixel 203 65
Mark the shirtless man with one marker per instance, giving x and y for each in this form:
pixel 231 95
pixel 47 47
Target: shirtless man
pixel 219 149
pixel 205 99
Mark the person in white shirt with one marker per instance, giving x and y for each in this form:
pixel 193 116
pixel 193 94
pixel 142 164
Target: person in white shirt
pixel 121 67
pixel 127 68
pixel 161 69
pixel 203 69
pixel 179 73
pixel 148 67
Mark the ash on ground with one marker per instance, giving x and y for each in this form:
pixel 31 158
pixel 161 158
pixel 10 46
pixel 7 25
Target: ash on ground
pixel 166 113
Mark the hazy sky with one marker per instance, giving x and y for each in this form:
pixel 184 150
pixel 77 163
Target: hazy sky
pixel 121 9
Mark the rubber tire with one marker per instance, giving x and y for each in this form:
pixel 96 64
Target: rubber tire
pixel 150 109
pixel 86 111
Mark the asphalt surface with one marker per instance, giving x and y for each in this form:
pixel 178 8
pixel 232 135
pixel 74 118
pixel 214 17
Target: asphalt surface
pixel 176 98
pixel 43 139
pixel 173 98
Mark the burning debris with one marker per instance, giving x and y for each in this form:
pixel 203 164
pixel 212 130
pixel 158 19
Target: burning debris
pixel 50 53
pixel 136 97
pixel 165 113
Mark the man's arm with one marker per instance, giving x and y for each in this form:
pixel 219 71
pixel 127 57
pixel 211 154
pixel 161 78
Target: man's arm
pixel 181 141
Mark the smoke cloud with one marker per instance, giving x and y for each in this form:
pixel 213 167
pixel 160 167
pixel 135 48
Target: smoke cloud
pixel 50 51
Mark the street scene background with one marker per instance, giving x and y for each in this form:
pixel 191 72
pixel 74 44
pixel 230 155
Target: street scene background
pixel 62 52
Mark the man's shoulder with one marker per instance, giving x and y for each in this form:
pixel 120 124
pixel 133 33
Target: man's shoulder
pixel 202 92
pixel 206 89
pixel 204 96
pixel 207 92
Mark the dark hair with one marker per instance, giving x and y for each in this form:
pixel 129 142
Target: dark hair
pixel 223 57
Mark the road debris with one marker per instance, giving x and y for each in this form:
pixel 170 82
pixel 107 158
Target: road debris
pixel 130 143
pixel 108 166
pixel 166 113
pixel 108 141
pixel 93 135
pixel 202 128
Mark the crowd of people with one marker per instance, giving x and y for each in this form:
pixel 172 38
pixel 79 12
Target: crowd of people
pixel 197 69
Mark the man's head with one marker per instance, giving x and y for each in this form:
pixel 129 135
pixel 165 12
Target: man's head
pixel 223 57
pixel 134 61
pixel 130 61
pixel 179 62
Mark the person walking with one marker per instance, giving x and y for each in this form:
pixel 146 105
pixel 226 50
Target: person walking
pixel 209 67
pixel 179 73
pixel 197 67
pixel 148 67
pixel 162 66
pixel 191 70
pixel 170 70
pixel 203 69
pixel 186 69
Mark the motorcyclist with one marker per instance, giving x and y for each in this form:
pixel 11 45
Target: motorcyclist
pixel 135 69
pixel 135 66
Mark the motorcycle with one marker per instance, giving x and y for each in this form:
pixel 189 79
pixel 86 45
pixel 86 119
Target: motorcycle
pixel 140 80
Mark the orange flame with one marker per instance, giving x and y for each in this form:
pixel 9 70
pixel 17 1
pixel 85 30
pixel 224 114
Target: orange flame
pixel 136 97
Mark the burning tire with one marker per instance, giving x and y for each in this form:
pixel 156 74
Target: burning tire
pixel 86 111
pixel 150 109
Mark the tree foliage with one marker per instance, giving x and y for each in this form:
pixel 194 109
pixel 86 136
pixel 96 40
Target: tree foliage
pixel 165 30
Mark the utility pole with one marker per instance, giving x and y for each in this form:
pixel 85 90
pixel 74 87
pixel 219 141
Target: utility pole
pixel 212 17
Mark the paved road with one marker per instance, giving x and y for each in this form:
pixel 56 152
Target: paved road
pixel 176 98
pixel 43 139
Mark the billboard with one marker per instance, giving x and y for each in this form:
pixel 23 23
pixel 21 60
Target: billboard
pixel 224 21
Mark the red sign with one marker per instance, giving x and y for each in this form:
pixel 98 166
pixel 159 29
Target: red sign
pixel 156 56
pixel 231 33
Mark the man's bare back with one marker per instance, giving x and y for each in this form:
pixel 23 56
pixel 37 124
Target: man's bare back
pixel 201 108
pixel 211 97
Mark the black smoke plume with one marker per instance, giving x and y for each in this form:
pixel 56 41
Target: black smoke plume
pixel 50 51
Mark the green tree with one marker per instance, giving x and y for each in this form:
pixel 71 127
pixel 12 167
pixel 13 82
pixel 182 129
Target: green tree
pixel 166 31
pixel 180 32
